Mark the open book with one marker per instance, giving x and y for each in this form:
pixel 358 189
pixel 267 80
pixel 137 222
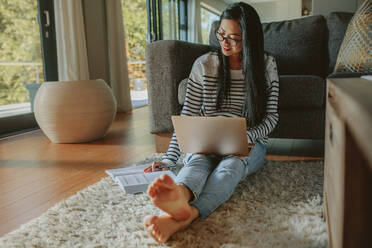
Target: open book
pixel 133 180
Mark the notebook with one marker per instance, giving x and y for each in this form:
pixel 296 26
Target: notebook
pixel 211 135
pixel 133 180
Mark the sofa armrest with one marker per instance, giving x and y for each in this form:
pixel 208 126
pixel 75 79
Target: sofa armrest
pixel 167 63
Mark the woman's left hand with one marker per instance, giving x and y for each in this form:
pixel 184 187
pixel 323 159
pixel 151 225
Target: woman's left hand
pixel 156 166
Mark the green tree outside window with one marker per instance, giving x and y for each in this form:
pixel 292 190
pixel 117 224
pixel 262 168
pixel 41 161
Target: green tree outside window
pixel 20 50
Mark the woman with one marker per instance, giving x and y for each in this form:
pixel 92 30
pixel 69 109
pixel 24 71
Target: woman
pixel 238 80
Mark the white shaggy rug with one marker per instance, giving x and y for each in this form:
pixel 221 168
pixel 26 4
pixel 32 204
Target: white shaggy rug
pixel 280 206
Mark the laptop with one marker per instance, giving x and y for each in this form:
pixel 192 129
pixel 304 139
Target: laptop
pixel 211 135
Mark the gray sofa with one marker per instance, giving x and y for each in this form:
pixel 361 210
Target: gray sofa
pixel 305 50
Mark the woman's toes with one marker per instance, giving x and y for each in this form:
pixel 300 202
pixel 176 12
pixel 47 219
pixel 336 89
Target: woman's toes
pixel 151 229
pixel 157 181
pixel 150 220
pixel 167 181
pixel 161 178
pixel 153 190
pixel 150 190
pixel 162 239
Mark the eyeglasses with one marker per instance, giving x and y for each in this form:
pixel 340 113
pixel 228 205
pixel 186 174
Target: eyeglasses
pixel 230 41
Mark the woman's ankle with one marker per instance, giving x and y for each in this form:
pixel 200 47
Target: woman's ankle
pixel 187 192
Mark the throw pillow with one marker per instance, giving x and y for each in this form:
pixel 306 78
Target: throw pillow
pixel 355 53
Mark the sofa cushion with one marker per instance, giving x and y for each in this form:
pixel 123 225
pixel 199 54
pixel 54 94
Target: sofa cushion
pixel 294 92
pixel 299 46
pixel 355 52
pixel 337 24
pixel 306 123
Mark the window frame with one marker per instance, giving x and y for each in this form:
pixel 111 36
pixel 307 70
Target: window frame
pixel 48 39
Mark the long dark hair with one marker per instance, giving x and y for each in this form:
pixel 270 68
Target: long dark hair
pixel 254 108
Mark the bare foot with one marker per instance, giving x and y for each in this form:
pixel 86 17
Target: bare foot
pixel 161 228
pixel 170 197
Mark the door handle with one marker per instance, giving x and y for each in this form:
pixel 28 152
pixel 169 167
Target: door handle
pixel 47 18
pixel 47 23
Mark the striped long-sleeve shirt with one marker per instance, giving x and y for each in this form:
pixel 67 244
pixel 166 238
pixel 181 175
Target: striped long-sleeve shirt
pixel 201 95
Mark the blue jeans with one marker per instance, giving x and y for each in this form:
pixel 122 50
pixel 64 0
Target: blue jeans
pixel 212 179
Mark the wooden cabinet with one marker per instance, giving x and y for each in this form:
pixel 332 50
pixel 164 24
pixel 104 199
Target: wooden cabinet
pixel 334 172
pixel 348 162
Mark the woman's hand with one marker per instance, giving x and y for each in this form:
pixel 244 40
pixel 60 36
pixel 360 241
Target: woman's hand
pixel 156 166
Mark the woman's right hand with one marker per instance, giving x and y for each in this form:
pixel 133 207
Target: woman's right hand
pixel 156 166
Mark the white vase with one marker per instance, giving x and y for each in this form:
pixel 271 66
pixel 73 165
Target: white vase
pixel 74 111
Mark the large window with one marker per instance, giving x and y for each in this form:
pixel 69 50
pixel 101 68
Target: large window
pixel 23 48
pixel 20 54
pixel 207 18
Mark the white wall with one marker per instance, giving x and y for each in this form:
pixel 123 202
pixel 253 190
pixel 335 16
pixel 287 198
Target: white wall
pixel 288 9
pixel 324 7
pixel 267 11
pixel 276 10
pixel 216 6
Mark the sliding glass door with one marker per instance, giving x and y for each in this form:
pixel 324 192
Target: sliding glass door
pixel 135 25
pixel 146 21
pixel 167 20
pixel 25 58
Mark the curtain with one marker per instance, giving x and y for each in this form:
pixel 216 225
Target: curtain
pixel 119 79
pixel 172 21
pixel 74 59
pixel 71 42
pixel 194 22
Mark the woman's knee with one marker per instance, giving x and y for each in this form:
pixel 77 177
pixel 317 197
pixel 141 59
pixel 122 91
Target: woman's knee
pixel 231 168
pixel 194 159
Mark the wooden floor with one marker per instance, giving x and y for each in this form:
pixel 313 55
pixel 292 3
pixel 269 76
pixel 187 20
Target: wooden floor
pixel 35 174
